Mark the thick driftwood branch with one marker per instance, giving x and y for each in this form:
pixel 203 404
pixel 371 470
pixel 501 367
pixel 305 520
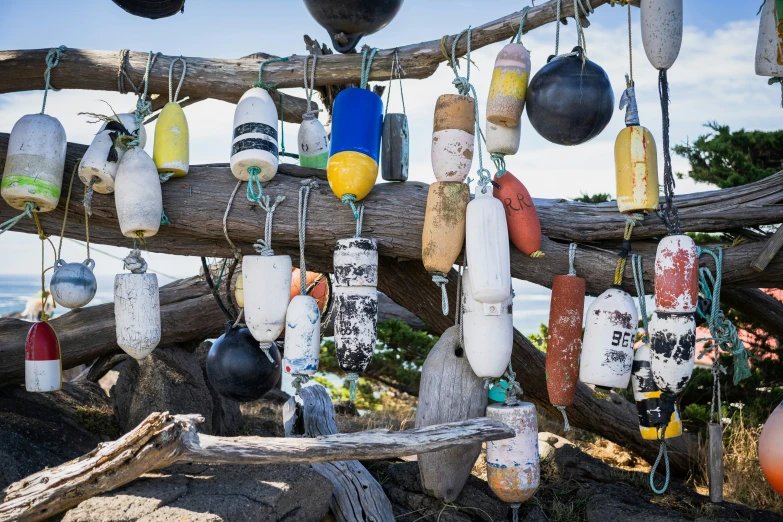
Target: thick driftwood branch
pixel 162 440
pixel 227 79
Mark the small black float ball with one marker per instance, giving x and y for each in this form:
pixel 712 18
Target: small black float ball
pixel 567 103
pixel 237 367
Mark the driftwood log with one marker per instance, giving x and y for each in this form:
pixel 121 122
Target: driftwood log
pixel 357 496
pixel 162 440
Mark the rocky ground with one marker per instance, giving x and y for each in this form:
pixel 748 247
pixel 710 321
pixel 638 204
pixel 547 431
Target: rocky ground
pixel 43 430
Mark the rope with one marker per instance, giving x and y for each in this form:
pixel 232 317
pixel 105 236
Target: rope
pixel 562 410
pixel 571 259
pixel 630 222
pixel 65 213
pixel 89 190
pixel 359 221
pixel 458 309
pixel 52 59
pixel 638 279
pixel 122 74
pixel 586 9
pixel 441 280
pixel 181 79
pixel 515 511
pixel 5 226
pixel 722 331
pixel 271 87
pixel 669 213
pixel 514 389
pixel 214 289
pixel 630 49
pixel 520 32
pixel 352 377
pixel 367 64
pixel 143 107
pixel 134 262
pixel 299 380
pixel 499 159
pixel 261 83
pixel 265 347
pixel 254 189
pixel 264 246
pixel 350 200
pixel 304 193
pixel 44 293
pixel 396 68
pixel 310 114
pixel 662 453
pixel 237 253
pixel 773 81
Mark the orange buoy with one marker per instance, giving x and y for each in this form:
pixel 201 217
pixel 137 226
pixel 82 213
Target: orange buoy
pixel 317 287
pixel 771 449
pixel 524 229
pixel 443 235
pixel 564 343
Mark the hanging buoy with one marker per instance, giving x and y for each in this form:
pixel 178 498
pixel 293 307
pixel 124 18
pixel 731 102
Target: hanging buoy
pixel 347 21
pixel 649 401
pixel 137 195
pixel 355 302
pixel 395 154
pixel 313 144
pixel 487 250
pixel 513 471
pixel 34 163
pixel 42 363
pixel 152 10
pixel 317 287
pixel 503 140
pixel 254 144
pixel 672 348
pixel 771 449
pixel 524 228
pixel 102 158
pixel 137 313
pixel 443 234
pixel 564 342
pixel 570 102
pixel 73 285
pixel 302 336
pixel 676 275
pixel 449 392
pixel 267 280
pixel 636 168
pixel 506 99
pixel 488 331
pixel 238 370
pixel 769 46
pixel 453 137
pixel 610 332
pixel 172 142
pixel 357 125
pixel 661 22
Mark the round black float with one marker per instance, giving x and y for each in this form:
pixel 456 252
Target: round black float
pixel 347 21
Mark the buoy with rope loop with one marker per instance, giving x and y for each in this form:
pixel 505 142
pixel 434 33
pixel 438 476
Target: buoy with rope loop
pixel 395 141
pixel 312 140
pixel 172 139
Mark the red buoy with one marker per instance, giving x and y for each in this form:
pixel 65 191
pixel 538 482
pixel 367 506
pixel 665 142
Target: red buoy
pixel 42 365
pixel 564 343
pixel 524 229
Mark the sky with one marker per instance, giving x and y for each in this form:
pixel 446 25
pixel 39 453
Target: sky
pixel 712 80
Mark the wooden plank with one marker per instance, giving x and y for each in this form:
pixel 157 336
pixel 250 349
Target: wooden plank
pixel 771 248
pixel 715 461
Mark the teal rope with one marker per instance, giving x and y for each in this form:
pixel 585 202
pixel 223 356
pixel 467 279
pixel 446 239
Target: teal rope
pixel 638 279
pixel 254 188
pixel 350 200
pixel 52 59
pixel 499 159
pixel 722 331
pixel 662 453
pixel 367 65
pixel 164 219
pixel 352 378
pixel 518 36
pixel 29 206
pixel 261 83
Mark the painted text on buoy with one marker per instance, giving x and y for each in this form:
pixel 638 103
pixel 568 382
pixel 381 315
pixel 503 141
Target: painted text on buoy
pixel 524 228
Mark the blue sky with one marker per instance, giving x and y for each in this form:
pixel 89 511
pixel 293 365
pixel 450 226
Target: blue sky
pixel 713 79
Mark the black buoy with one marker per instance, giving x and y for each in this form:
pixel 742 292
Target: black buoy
pixel 152 9
pixel 347 21
pixel 570 102
pixel 237 367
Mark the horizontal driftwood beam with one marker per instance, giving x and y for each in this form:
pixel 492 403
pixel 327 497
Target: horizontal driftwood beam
pixel 162 440
pixel 227 79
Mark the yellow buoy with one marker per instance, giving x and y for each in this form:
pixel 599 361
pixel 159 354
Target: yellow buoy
pixel 239 292
pixel 172 149
pixel 636 166
pixel 352 172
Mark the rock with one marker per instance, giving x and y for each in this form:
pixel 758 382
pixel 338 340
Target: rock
pixel 39 430
pixel 226 415
pixel 169 379
pixel 200 493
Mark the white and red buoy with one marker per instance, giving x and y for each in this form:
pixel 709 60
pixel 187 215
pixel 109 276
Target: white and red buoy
pixel 42 363
pixel 676 275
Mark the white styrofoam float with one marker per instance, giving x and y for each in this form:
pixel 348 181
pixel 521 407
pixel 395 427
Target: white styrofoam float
pixel 661 22
pixel 95 163
pixel 254 141
pixel 487 249
pixel 137 194
pixel 137 313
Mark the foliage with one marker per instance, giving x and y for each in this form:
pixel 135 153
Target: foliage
pixel 601 197
pixel 539 339
pixel 730 159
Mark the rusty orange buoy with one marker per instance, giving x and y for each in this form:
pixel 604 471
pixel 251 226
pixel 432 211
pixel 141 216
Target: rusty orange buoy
pixel 676 275
pixel 524 229
pixel 564 343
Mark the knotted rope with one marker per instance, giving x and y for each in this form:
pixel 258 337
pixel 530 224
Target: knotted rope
pixel 580 34
pixel 52 59
pixel 122 74
pixel 143 106
pixel 441 280
pixel 264 246
pixel 359 221
pixel 299 380
pixel 352 378
pixel 631 220
pixel 5 226
pixel 134 262
pixel 514 389
pixel 310 114
pixel 234 249
pixel 367 56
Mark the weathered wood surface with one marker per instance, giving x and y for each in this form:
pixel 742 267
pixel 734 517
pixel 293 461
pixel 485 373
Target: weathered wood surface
pixel 357 496
pixel 227 79
pixel 770 250
pixel 162 440
pixel 449 391
pixel 715 461
pixel 196 203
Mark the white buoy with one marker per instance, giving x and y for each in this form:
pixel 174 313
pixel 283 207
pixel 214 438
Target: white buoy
pixel 488 331
pixel 503 140
pixel 453 137
pixel 610 331
pixel 266 282
pixel 661 22
pixel 73 285
pixel 513 470
pixel 137 195
pixel 254 142
pixel 95 163
pixel 34 163
pixel 769 46
pixel 487 248
pixel 356 262
pixel 313 144
pixel 302 336
pixel 137 313
pixel 672 349
pixel 676 275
